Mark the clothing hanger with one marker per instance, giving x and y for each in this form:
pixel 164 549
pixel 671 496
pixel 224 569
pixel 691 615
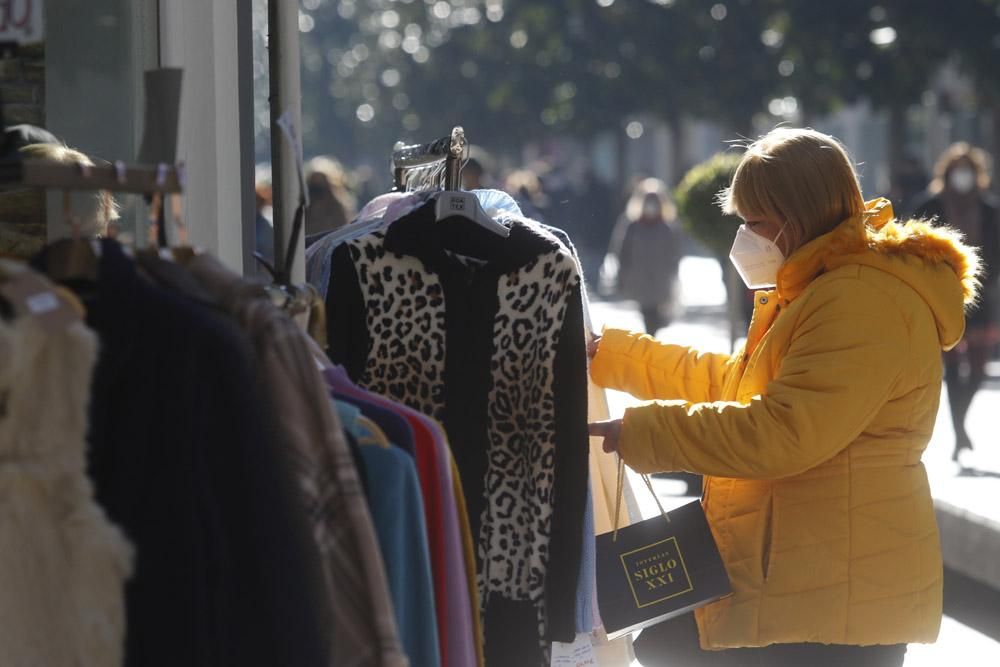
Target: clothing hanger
pixel 74 260
pixel 155 220
pixel 461 204
pixel 450 202
pixel 374 435
pixel 181 252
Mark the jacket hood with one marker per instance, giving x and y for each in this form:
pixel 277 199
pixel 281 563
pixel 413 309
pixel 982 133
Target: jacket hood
pixel 932 260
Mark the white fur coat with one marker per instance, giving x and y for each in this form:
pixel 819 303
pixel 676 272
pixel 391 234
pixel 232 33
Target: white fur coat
pixel 62 563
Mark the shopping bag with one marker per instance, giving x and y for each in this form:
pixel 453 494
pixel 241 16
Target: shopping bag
pixel 656 569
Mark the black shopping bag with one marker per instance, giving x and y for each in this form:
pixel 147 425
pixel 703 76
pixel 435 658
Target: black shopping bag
pixel 657 569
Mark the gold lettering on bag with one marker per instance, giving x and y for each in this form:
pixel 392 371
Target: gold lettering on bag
pixel 656 572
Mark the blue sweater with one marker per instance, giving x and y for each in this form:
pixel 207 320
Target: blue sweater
pixel 396 505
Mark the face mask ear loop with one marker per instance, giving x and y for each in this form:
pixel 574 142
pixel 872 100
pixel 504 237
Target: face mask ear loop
pixel 778 236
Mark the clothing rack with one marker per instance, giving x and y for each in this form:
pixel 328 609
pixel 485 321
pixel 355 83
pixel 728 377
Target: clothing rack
pixel 116 177
pixel 448 151
pixel 285 100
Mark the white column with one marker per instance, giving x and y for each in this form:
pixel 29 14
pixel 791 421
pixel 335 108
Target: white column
pixel 201 38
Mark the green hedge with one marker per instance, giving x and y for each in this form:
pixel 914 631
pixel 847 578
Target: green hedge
pixel 697 205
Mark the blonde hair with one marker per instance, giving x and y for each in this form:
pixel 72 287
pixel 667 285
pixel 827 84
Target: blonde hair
pixel 98 209
pixel 959 152
pixel 645 188
pixel 798 176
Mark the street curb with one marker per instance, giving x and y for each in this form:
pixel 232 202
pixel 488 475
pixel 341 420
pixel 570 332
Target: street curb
pixel 970 543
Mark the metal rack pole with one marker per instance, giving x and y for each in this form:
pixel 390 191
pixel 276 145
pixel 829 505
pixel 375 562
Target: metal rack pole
pixel 285 95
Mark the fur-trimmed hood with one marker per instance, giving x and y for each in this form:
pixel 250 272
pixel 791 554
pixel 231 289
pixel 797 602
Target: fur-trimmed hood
pixel 933 260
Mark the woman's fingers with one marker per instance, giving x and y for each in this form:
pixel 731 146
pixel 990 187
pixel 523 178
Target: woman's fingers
pixel 595 341
pixel 610 431
pixel 600 429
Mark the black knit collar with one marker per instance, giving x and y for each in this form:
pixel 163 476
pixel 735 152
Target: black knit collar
pixel 420 235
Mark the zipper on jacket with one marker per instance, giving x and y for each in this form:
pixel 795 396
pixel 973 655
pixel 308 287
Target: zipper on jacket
pixel 765 557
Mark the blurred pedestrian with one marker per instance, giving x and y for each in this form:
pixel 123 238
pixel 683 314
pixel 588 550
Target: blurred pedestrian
pixel 477 172
pixel 594 207
pixel 810 437
pixel 960 198
pixel 525 187
pixel 648 246
pixel 331 204
pixel 909 185
pixel 263 222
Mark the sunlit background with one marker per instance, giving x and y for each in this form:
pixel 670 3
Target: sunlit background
pixel 569 103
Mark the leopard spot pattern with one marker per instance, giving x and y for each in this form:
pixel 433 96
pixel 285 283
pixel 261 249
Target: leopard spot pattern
pixel 404 309
pixel 517 519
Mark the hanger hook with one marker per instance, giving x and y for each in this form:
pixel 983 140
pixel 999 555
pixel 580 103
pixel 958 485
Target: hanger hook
pixel 154 218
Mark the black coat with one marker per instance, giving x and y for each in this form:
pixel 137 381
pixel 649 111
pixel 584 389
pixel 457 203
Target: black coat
pixel 184 459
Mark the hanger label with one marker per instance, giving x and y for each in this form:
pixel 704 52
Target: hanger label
pixel 32 296
pixel 580 653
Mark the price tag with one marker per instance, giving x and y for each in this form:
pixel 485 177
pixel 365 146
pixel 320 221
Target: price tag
pixel 32 296
pixel 578 654
pixel 44 302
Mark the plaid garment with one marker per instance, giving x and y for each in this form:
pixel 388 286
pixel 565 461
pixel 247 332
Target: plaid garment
pixel 362 628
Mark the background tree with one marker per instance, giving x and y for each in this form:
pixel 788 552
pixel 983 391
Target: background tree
pixel 513 71
pixel 699 212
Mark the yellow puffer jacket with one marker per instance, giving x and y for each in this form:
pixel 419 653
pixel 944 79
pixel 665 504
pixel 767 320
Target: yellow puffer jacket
pixel 811 436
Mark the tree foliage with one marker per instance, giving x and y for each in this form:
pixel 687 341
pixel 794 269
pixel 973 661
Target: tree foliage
pixel 515 70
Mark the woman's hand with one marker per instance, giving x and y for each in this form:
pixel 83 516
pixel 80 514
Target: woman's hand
pixel 609 430
pixel 595 341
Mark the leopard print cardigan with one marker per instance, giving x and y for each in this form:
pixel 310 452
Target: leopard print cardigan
pixel 485 335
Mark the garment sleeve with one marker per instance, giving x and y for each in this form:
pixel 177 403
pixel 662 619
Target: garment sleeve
pixel 839 371
pixel 648 369
pixel 347 332
pixel 571 466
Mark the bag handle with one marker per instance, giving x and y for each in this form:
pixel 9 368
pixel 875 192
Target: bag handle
pixel 621 489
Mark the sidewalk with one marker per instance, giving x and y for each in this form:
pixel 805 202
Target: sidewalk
pixel 966 496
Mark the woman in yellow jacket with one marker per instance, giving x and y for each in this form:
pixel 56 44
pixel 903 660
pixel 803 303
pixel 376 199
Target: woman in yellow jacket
pixel 810 437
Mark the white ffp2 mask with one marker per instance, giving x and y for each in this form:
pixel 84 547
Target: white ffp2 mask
pixel 756 258
pixel 962 180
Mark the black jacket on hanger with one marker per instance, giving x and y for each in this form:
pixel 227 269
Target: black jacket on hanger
pixel 184 459
pixel 486 335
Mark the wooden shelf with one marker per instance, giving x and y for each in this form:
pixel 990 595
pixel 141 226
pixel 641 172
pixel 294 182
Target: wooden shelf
pixel 128 178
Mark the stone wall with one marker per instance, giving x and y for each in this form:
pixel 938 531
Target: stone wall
pixel 22 100
pixel 22 86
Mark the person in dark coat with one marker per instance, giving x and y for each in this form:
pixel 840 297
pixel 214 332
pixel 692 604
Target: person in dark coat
pixel 648 246
pixel 960 197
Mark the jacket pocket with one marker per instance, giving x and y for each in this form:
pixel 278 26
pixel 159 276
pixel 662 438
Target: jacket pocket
pixel 765 548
